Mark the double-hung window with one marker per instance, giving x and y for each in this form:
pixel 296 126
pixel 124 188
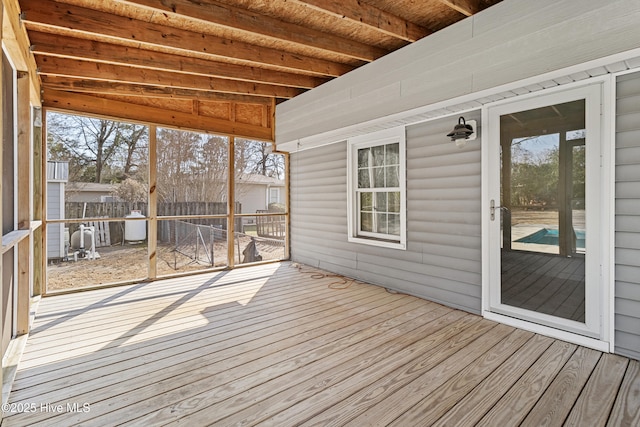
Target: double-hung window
pixel 376 199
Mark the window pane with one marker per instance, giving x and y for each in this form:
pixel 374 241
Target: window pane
pixel 366 221
pixel 394 202
pixel 260 238
pixel 96 168
pixel 393 176
pixel 394 224
pixel 378 155
pixel 366 200
pixel 381 202
pixel 381 223
pixel 192 173
pixel 258 172
pixel 96 253
pixel 363 178
pixel 363 157
pixel 393 154
pixel 191 245
pixel 378 177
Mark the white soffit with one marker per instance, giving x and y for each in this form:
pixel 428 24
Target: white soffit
pixel 608 65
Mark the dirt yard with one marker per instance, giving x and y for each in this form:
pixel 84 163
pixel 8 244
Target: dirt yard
pixel 122 263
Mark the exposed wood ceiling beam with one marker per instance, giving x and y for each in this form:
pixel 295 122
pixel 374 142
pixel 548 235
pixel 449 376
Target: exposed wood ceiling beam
pixel 91 105
pixel 211 12
pixel 363 13
pixel 15 37
pixel 466 7
pixel 48 13
pixel 71 47
pixel 50 65
pixel 71 84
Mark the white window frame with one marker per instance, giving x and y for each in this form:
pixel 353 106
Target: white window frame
pixel 384 137
pixel 277 192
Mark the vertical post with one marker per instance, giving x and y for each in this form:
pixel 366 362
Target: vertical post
pixel 2 308
pixel 231 202
pixel 43 201
pixel 212 243
pixel 152 207
pixel 38 182
pixel 23 199
pixel 505 142
pixel 564 210
pixel 287 224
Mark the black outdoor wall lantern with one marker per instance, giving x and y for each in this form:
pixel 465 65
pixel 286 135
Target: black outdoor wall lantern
pixel 461 132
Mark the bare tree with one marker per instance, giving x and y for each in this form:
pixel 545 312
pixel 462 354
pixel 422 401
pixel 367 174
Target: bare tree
pixel 94 147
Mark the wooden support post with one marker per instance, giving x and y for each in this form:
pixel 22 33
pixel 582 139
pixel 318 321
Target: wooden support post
pixel 39 180
pixel 152 212
pixel 43 198
pixel 23 199
pixel 2 308
pixel 231 203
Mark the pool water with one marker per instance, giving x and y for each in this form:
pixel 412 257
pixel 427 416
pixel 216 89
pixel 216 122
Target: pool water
pixel 549 236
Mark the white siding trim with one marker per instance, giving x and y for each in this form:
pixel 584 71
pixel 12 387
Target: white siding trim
pixel 609 201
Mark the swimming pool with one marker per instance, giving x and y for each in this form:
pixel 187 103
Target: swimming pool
pixel 549 236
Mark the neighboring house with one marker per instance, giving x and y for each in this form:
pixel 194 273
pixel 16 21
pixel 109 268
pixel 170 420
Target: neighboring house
pixel 380 193
pixel 256 192
pixel 90 192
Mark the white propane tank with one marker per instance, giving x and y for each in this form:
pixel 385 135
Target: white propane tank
pixel 78 243
pixel 135 231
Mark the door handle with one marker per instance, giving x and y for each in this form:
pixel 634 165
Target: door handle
pixel 493 208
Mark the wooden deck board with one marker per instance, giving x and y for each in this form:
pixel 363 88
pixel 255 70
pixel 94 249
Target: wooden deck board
pixel 270 345
pixel 594 403
pixel 556 403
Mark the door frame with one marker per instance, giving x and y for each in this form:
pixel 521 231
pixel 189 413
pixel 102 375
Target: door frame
pixel 605 212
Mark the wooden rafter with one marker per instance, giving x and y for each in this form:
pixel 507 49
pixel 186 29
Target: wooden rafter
pixel 55 66
pixel 466 7
pixel 211 12
pixel 158 55
pixel 71 84
pixel 48 13
pixel 91 105
pixel 358 11
pixel 76 48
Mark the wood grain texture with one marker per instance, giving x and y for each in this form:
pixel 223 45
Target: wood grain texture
pixel 626 410
pixel 594 404
pixel 556 403
pixel 516 404
pixel 275 345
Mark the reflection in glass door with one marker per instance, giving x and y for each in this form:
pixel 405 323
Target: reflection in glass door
pixel 541 214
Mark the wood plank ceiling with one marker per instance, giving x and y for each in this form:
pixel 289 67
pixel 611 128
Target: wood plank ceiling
pixel 214 65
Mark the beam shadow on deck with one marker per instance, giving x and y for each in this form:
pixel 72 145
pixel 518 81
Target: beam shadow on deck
pixel 273 345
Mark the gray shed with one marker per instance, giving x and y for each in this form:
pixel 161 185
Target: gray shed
pixel 57 177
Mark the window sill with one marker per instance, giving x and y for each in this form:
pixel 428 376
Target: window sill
pixel 379 242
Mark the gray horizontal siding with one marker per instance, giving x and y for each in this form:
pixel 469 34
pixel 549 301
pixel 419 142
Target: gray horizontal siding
pixel 508 42
pixel 55 210
pixel 443 257
pixel 627 220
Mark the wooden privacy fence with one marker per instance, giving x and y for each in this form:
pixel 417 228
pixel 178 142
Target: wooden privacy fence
pixel 106 210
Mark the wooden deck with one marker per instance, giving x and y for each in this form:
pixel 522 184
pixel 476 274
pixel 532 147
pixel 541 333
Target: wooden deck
pixel 546 283
pixel 271 345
